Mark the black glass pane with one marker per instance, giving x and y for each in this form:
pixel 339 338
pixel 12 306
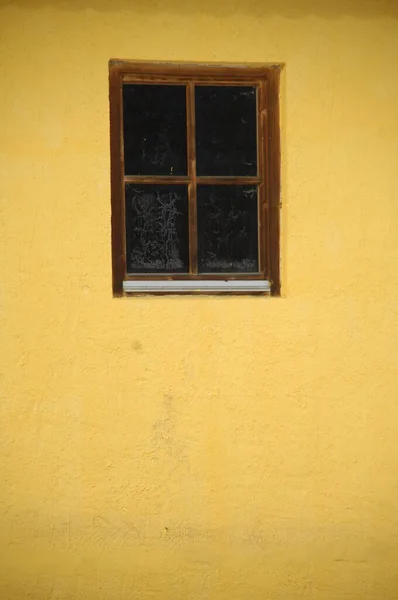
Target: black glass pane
pixel 227 229
pixel 157 229
pixel 226 130
pixel 155 129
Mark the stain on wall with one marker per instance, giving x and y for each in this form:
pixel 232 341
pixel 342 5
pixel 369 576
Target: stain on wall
pixel 185 447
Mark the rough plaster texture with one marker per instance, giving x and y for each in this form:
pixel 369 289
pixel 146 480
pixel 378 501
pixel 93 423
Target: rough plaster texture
pixel 200 448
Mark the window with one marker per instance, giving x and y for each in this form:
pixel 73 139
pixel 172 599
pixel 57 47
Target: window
pixel 195 178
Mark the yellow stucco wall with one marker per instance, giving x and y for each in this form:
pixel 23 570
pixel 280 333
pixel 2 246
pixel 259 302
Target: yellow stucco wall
pixel 199 448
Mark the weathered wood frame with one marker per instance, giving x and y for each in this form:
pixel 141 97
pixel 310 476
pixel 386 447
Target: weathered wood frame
pixel 266 80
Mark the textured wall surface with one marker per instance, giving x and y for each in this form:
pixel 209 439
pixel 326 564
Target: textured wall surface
pixel 184 447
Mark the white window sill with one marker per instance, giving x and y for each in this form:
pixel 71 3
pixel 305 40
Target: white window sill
pixel 204 286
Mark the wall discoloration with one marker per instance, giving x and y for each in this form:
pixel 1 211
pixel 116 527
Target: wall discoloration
pixel 212 448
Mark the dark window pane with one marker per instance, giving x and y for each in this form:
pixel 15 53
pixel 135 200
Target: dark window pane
pixel 155 129
pixel 227 229
pixel 226 130
pixel 157 229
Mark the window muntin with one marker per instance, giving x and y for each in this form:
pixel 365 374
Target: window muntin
pixel 195 174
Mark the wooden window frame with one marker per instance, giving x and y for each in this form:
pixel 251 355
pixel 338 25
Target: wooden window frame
pixel 266 79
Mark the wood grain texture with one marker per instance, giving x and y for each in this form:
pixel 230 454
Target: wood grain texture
pixel 191 70
pixel 273 170
pixel 117 191
pixel 156 179
pixel 266 79
pixel 192 195
pixel 263 173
